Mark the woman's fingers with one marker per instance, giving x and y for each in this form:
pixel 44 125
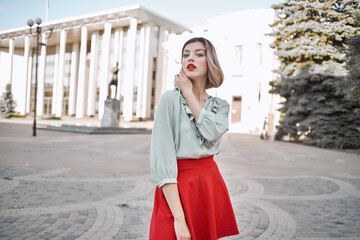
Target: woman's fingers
pixel 184 238
pixel 182 74
pixel 182 81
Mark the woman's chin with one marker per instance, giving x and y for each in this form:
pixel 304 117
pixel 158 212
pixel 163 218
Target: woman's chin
pixel 194 76
pixel 191 74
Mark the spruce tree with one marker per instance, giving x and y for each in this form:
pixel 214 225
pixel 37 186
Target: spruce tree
pixel 310 39
pixel 313 34
pixel 7 103
pixel 317 111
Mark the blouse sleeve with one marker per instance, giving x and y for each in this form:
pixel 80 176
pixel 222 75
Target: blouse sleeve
pixel 213 123
pixel 163 162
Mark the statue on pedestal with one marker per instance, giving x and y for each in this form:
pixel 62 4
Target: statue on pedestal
pixel 111 115
pixel 114 81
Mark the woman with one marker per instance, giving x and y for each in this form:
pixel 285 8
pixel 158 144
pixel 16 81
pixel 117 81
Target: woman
pixel 191 200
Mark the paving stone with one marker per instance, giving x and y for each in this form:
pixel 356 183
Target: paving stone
pixel 92 188
pixel 51 221
pixel 48 236
pixel 71 237
pixel 64 227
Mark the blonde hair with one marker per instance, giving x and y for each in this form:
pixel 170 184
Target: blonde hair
pixel 215 75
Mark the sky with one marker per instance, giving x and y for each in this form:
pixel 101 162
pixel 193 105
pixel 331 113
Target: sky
pixel 190 13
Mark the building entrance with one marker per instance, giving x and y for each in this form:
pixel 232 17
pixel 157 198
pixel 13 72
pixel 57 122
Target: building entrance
pixel 236 109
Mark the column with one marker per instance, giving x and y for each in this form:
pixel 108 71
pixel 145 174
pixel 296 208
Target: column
pixel 73 77
pixel 139 102
pixel 11 58
pixel 121 44
pixel 55 82
pixel 116 48
pixel 104 75
pixel 161 66
pixel 129 74
pixel 80 101
pixel 29 78
pixel 173 56
pixel 116 56
pixel 26 68
pixel 60 79
pixel 41 78
pixel 93 74
pixel 148 71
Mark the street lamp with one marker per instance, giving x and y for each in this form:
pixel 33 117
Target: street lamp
pixel 30 23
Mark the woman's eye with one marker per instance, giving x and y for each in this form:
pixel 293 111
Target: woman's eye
pixel 185 55
pixel 200 55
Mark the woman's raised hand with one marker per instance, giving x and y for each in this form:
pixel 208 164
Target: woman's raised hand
pixel 181 230
pixel 183 82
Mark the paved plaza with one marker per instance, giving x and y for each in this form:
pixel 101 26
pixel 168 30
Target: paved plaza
pixel 62 185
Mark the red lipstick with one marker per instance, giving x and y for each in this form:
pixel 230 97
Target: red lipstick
pixel 190 67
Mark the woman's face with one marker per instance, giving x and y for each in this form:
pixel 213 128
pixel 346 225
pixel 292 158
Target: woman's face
pixel 194 61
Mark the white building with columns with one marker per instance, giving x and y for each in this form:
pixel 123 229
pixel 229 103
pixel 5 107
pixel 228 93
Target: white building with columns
pixel 74 67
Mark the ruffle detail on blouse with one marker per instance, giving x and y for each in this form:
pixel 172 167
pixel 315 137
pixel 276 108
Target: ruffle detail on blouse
pixel 191 116
pixel 215 107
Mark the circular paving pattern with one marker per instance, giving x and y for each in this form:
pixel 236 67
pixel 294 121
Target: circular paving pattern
pixel 47 205
pixel 60 193
pixel 64 204
pixel 252 220
pixel 136 223
pixel 68 225
pixel 298 186
pixel 334 218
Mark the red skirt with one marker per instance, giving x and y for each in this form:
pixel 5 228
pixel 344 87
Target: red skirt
pixel 205 201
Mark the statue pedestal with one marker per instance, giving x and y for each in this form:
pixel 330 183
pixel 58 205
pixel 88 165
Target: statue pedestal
pixel 111 113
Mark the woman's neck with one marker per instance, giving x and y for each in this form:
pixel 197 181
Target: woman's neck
pixel 199 90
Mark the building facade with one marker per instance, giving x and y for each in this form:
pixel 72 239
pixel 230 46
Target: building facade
pixel 75 63
pixel 242 44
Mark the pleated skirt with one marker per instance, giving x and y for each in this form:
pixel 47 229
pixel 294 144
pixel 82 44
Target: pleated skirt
pixel 205 199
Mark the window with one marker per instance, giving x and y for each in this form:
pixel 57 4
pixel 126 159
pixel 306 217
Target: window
pixel 259 94
pixel 238 54
pixel 259 49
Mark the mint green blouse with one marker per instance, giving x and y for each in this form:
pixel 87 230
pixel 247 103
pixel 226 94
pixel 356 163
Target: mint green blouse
pixel 176 134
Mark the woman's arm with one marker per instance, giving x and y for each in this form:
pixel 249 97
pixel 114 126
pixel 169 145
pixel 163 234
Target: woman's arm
pixel 163 162
pixel 172 196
